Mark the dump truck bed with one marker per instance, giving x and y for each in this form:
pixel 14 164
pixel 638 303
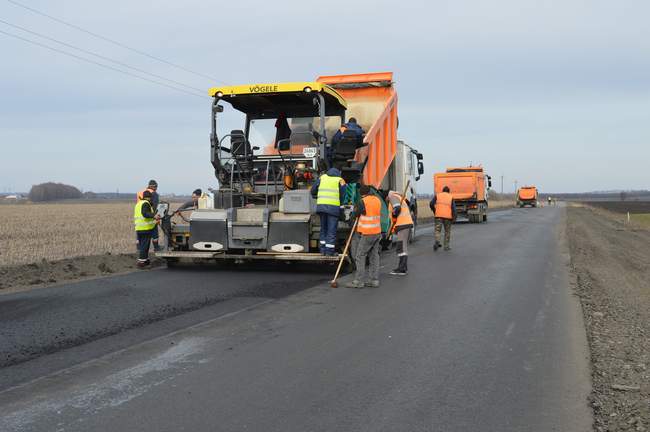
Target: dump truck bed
pixel 529 193
pixel 372 100
pixel 463 185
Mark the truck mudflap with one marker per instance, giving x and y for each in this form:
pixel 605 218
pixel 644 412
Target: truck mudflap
pixel 269 256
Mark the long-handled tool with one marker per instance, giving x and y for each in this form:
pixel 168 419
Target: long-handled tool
pixel 335 284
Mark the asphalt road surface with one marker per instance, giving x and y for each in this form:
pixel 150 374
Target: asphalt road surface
pixel 486 337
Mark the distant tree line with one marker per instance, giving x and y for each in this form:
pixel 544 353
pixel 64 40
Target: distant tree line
pixel 52 192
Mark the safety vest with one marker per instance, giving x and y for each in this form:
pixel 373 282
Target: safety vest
pixel 328 191
pixel 142 223
pixel 370 223
pixel 443 206
pixel 404 217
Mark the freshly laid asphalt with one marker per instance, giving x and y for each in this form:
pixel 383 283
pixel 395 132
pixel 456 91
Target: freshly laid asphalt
pixel 485 337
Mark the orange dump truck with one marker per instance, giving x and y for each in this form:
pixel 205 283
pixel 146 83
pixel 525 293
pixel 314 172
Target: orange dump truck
pixel 527 195
pixel 469 188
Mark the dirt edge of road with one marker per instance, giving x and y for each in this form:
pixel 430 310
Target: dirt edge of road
pixel 47 273
pixel 610 263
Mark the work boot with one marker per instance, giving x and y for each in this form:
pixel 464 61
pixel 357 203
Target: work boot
pixel 447 248
pixel 142 264
pixel 354 284
pixel 401 267
pixel 436 245
pixel 372 284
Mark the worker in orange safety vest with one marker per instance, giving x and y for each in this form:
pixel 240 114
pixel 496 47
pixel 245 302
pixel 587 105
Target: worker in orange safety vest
pixel 369 232
pixel 400 213
pixel 444 210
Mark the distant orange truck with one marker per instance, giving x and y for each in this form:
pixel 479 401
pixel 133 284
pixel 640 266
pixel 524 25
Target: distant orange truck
pixel 527 195
pixel 469 188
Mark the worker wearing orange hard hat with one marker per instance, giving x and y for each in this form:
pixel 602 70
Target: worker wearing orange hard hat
pixel 144 219
pixel 152 187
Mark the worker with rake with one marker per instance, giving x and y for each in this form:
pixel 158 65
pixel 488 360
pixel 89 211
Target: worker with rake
pixel 369 231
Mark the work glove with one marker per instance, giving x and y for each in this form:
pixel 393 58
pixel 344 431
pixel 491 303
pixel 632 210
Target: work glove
pixel 396 211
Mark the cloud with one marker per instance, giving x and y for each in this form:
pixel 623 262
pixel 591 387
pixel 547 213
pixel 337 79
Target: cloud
pixel 478 80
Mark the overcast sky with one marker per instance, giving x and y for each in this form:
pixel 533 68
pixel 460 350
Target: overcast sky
pixel 555 93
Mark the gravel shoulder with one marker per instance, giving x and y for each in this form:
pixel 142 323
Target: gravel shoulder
pixel 611 264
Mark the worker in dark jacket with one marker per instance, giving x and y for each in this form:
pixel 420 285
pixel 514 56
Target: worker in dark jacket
pixel 328 190
pixel 350 125
pixel 192 204
pixel 145 222
pixel 155 199
pixel 444 210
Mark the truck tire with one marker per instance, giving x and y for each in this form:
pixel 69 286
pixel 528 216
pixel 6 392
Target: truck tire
pixel 485 217
pixel 412 230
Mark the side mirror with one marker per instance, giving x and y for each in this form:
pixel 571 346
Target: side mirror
pixel 420 168
pixel 284 145
pixel 489 183
pixel 419 157
pixel 219 108
pixel 255 148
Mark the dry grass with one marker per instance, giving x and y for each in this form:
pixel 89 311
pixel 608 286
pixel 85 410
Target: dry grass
pixel 642 219
pixel 33 232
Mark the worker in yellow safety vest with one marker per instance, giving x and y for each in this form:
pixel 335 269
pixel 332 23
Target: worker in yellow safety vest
pixel 369 232
pixel 402 224
pixel 328 190
pixel 155 200
pixel 145 221
pixel 444 210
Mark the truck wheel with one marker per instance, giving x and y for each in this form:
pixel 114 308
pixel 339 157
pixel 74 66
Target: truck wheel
pixel 412 232
pixel 484 217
